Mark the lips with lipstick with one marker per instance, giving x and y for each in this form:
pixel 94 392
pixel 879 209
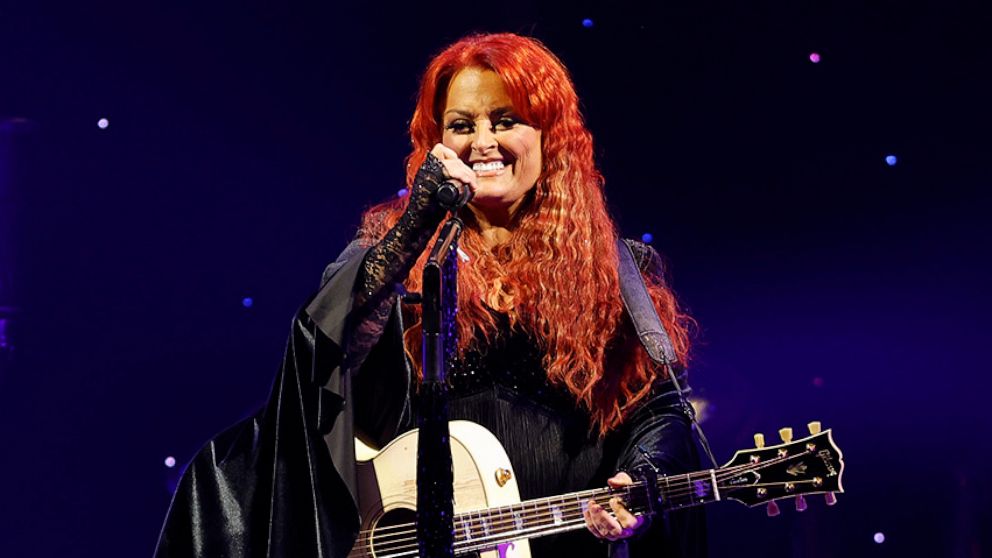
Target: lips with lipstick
pixel 488 168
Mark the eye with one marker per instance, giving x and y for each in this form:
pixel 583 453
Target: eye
pixel 460 126
pixel 505 123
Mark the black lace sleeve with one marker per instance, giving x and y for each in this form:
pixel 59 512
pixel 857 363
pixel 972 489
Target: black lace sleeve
pixel 388 262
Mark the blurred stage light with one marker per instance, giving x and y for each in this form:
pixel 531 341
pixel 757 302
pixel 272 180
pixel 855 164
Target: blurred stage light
pixel 402 192
pixel 587 23
pixel 103 123
pixel 170 462
pixel 880 538
pixel 647 238
pixel 814 57
pixel 247 302
pixel 891 160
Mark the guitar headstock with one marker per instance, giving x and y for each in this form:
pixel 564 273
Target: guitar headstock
pixel 812 465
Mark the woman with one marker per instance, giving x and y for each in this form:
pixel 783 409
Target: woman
pixel 547 358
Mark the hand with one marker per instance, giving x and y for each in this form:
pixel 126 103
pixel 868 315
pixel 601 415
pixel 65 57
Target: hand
pixel 454 167
pixel 621 524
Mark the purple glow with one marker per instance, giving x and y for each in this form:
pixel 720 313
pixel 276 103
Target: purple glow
pixel 402 192
pixel 170 462
pixel 103 123
pixel 247 302
pixel 891 160
pixel 587 23
pixel 880 537
pixel 814 57
pixel 818 382
pixel 647 238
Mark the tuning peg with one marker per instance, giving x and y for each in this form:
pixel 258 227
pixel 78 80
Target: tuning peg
pixel 814 427
pixel 759 440
pixel 773 509
pixel 800 503
pixel 786 435
pixel 830 498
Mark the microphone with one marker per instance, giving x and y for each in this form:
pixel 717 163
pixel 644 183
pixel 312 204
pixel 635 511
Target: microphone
pixel 453 197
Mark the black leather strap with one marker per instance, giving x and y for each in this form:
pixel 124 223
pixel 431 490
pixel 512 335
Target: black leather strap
pixel 641 309
pixel 652 332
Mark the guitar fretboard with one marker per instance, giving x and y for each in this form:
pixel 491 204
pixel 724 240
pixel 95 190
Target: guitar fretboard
pixel 486 529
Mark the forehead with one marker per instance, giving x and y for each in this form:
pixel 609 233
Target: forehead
pixel 476 90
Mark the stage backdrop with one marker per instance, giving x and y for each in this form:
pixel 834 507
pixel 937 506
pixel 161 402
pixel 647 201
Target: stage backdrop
pixel 175 177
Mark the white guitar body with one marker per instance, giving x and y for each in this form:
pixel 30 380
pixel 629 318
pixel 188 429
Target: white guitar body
pixel 387 485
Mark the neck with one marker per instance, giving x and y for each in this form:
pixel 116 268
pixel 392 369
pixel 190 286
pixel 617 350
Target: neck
pixel 495 225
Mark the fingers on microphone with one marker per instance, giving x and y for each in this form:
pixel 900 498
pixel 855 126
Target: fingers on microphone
pixel 443 152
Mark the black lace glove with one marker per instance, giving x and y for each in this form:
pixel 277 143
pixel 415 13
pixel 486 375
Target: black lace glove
pixel 388 263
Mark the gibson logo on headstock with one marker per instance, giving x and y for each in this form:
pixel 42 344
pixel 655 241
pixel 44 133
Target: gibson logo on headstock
pixel 828 462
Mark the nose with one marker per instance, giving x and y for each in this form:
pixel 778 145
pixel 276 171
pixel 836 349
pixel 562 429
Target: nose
pixel 484 140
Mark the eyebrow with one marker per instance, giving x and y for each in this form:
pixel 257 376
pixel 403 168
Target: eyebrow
pixel 499 111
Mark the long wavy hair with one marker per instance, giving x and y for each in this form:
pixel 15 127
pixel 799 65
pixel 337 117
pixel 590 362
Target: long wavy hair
pixel 556 278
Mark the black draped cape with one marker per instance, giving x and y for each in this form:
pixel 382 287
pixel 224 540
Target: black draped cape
pixel 281 484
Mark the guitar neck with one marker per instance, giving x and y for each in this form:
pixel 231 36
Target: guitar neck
pixel 485 529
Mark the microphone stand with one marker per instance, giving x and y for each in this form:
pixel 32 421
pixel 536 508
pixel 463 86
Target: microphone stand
pixel 435 478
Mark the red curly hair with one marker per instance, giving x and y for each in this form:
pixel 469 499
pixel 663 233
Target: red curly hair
pixel 556 278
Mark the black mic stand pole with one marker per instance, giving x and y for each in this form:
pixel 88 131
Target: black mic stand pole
pixel 435 478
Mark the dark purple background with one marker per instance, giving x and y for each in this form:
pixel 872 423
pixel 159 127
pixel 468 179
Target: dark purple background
pixel 246 138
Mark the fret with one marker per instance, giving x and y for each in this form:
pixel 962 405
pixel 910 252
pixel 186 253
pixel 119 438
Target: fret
pixel 485 525
pixel 556 514
pixel 688 483
pixel 466 527
pixel 713 483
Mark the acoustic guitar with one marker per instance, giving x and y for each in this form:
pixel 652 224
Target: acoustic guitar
pixel 490 518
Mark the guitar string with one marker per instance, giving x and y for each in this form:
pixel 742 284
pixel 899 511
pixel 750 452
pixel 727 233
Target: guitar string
pixel 464 545
pixel 480 542
pixel 577 499
pixel 525 507
pixel 498 524
pixel 571 507
pixel 483 541
pixel 675 493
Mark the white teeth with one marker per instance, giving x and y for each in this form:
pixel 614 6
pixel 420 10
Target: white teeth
pixel 490 166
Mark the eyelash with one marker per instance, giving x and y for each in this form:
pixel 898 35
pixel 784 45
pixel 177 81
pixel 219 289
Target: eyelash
pixel 462 126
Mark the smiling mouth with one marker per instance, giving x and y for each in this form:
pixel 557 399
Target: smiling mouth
pixel 491 168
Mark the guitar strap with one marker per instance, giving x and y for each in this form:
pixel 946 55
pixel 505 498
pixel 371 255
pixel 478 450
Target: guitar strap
pixel 651 331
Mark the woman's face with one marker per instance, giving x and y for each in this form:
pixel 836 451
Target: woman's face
pixel 481 126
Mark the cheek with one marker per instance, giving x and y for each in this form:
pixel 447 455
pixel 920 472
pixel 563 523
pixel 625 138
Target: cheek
pixel 528 148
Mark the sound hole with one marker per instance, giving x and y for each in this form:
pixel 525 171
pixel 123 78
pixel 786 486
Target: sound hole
pixel 396 531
